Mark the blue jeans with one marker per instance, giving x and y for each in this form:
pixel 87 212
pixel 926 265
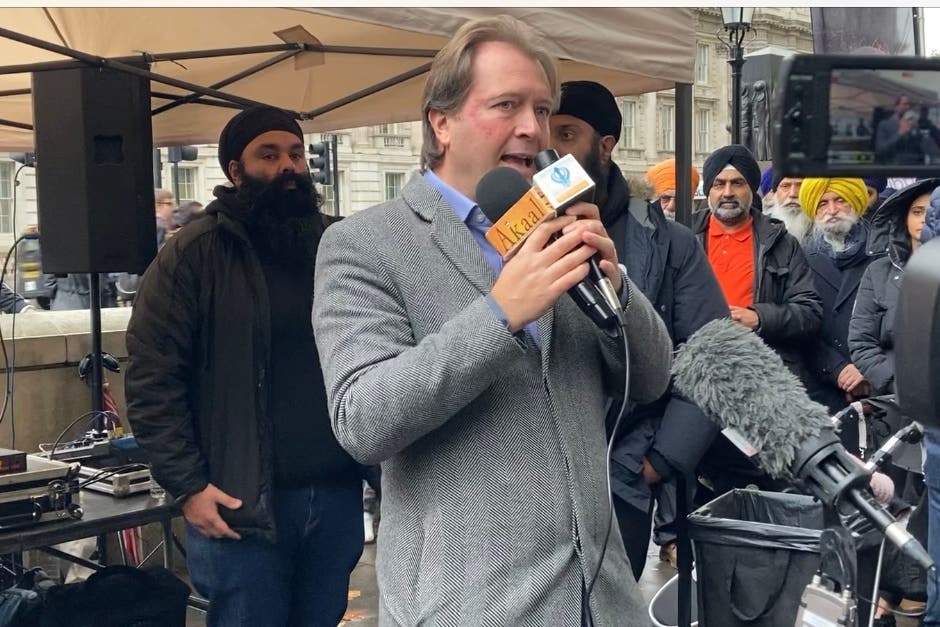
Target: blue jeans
pixel 932 479
pixel 302 580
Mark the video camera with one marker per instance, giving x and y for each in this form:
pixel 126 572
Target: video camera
pixel 897 100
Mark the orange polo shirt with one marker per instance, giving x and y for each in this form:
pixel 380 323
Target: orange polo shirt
pixel 731 255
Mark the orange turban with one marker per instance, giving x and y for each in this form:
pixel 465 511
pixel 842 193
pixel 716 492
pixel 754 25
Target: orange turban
pixel 663 176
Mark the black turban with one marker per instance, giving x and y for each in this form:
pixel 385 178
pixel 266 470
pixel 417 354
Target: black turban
pixel 247 125
pixel 593 103
pixel 738 157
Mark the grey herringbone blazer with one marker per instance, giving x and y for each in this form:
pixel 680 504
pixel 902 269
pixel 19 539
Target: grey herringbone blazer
pixel 494 501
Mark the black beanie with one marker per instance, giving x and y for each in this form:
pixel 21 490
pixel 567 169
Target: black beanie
pixel 738 157
pixel 244 127
pixel 593 103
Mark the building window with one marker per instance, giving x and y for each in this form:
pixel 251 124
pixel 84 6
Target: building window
pixel 701 64
pixel 328 196
pixel 628 140
pixel 393 184
pixel 703 128
pixel 667 121
pixel 7 170
pixel 393 134
pixel 188 186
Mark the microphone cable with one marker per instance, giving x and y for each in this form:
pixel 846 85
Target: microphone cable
pixel 622 331
pixel 10 365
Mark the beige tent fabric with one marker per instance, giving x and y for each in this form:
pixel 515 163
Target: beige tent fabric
pixel 630 50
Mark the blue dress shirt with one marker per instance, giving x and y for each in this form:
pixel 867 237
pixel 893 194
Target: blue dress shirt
pixel 470 214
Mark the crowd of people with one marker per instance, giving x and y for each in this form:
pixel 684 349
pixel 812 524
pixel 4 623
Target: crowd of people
pixel 277 357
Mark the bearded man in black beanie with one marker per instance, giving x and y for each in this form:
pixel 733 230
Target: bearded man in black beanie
pixel 226 396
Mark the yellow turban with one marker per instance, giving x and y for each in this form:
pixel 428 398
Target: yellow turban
pixel 853 191
pixel 663 176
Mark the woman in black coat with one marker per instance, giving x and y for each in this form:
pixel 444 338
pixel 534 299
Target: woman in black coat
pixel 896 227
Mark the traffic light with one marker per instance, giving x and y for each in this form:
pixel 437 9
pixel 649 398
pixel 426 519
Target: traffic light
pixel 321 165
pixel 175 154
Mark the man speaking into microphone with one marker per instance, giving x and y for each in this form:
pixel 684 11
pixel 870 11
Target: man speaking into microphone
pixel 477 383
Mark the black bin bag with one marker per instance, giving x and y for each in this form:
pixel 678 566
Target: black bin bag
pixel 756 551
pixel 118 596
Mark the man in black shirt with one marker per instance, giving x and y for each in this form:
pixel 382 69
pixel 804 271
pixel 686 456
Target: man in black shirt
pixel 226 396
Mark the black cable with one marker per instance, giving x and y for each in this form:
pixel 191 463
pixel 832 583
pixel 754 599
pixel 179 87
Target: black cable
pixel 87 414
pixel 110 471
pixel 3 347
pixel 610 448
pixel 11 372
pixel 8 395
pixel 893 611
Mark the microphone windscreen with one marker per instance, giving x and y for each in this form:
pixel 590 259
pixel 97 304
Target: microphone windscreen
pixel 741 383
pixel 498 190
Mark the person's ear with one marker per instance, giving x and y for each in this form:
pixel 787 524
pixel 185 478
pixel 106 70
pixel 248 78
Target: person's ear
pixel 607 148
pixel 440 123
pixel 235 172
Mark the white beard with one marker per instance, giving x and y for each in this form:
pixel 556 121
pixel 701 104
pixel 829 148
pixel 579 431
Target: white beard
pixel 797 223
pixel 835 232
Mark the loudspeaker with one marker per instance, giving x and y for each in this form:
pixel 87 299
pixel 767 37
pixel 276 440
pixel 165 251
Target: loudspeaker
pixel 94 172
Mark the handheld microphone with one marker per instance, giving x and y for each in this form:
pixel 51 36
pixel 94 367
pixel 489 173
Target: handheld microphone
pixel 554 179
pixel 744 387
pixel 515 209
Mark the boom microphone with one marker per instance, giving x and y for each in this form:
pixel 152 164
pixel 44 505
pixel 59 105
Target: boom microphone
pixel 506 199
pixel 745 388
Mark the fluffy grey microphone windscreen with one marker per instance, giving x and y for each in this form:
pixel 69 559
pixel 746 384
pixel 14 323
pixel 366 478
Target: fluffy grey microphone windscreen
pixel 740 382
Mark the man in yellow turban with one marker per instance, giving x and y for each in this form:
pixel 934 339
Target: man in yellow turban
pixel 838 255
pixel 663 177
pixel 849 196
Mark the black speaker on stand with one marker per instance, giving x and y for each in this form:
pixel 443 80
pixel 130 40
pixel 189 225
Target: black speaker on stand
pixel 94 179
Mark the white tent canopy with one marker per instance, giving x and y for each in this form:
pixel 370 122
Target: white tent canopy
pixel 333 80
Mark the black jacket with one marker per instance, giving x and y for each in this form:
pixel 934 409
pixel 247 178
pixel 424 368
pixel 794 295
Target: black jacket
pixel 837 288
pixel 785 297
pixel 871 329
pixel 665 262
pixel 198 353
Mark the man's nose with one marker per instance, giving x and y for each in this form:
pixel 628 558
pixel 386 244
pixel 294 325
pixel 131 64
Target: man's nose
pixel 527 123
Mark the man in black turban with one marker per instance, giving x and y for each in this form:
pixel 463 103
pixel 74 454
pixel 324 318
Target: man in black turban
pixel 734 156
pixel 764 276
pixel 226 396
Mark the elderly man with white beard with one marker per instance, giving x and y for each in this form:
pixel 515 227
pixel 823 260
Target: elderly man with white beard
pixel 785 206
pixel 838 255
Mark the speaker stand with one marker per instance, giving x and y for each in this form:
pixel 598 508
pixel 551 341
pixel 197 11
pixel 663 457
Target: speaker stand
pixel 97 377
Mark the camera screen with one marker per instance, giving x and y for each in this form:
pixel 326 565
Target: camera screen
pixel 884 117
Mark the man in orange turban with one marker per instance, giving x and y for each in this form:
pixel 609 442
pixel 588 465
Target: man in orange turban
pixel 663 178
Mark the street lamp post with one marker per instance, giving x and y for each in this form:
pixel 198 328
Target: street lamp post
pixel 737 22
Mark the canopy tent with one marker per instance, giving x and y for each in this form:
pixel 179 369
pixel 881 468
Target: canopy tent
pixel 336 68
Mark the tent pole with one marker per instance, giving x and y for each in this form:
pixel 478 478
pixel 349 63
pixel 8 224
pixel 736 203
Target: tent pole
pixel 368 91
pixel 115 65
pixel 219 52
pixel 683 127
pixel 14 124
pixel 231 79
